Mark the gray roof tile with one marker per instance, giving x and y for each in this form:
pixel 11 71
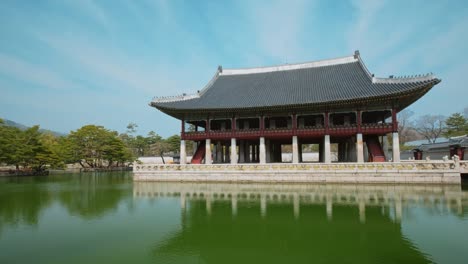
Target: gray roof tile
pixel 326 81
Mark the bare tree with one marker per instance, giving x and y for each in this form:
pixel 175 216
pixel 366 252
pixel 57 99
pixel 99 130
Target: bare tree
pixel 159 148
pixel 404 125
pixel 465 112
pixel 431 126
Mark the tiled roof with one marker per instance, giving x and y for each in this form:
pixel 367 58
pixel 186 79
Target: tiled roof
pixel 318 82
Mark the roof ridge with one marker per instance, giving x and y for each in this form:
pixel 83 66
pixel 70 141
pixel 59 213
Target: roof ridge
pixel 405 79
pixel 286 67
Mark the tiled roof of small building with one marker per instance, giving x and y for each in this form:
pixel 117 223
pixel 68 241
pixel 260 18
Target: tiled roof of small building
pixel 318 82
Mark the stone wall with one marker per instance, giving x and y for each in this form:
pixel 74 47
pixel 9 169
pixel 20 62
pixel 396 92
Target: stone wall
pixel 385 172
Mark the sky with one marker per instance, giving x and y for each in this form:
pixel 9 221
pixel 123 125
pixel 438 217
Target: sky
pixel 68 63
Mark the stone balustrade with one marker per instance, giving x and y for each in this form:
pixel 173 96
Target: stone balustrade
pixel 387 172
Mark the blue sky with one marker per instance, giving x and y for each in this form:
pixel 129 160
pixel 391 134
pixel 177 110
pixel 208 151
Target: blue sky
pixel 64 64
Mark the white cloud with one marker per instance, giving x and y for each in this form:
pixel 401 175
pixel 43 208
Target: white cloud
pixel 22 70
pixel 93 10
pixel 279 26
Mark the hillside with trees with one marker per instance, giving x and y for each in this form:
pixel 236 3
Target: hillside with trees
pixel 33 151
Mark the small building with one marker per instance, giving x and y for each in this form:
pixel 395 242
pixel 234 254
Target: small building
pixel 247 115
pixel 449 148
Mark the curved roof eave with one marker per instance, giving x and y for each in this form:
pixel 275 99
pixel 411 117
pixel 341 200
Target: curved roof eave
pixel 332 104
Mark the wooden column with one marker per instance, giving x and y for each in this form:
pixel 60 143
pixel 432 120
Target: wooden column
pixel 262 125
pixel 326 123
pixel 182 132
pixel 294 124
pixel 233 124
pixel 359 121
pixel 394 120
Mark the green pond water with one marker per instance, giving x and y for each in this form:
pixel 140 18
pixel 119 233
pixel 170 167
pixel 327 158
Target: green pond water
pixel 107 218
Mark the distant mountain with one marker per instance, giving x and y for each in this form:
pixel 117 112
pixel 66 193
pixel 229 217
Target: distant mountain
pixel 23 127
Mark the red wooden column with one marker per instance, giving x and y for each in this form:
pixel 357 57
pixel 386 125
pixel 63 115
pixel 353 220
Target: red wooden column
pixel 233 124
pixel 294 124
pixel 394 120
pixel 262 125
pixel 359 121
pixel 182 132
pixel 327 123
pixel 207 129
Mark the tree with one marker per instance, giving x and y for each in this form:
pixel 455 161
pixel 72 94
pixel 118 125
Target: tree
pixel 153 138
pixel 25 148
pixel 174 143
pixel 159 148
pixel 431 126
pixel 457 125
pixel 465 112
pixel 97 147
pixel 404 125
pixel 131 128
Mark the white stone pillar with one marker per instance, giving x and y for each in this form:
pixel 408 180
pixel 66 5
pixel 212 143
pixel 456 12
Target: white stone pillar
pixel 262 151
pixel 352 152
pixel 226 155
pixel 219 152
pixel 396 147
pixel 295 150
pixel 208 151
pixel 233 151
pixel 385 146
pixel 359 148
pixel 241 151
pixel 183 154
pixel 247 152
pixel 268 151
pixel 195 146
pixel 327 149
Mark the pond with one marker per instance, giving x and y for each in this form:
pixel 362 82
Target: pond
pixel 107 218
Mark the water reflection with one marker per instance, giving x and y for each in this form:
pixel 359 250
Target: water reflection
pixel 393 198
pixel 94 195
pixel 277 223
pixel 22 201
pixel 84 195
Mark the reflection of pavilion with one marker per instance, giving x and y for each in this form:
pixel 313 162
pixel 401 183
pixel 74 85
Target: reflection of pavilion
pixel 393 197
pixel 239 223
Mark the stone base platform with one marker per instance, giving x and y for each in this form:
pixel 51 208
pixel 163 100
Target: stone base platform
pixel 437 172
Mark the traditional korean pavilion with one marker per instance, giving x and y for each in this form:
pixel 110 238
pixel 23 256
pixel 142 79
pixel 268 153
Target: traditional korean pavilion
pixel 246 115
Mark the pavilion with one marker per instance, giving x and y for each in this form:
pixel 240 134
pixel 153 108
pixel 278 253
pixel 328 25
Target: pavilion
pixel 246 115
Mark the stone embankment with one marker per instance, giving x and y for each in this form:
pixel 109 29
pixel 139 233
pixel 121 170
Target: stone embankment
pixel 448 171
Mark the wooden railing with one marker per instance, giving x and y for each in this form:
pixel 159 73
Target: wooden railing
pixel 318 131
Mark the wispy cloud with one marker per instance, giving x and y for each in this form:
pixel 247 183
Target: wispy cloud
pixel 35 74
pixel 279 27
pixel 366 11
pixel 93 10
